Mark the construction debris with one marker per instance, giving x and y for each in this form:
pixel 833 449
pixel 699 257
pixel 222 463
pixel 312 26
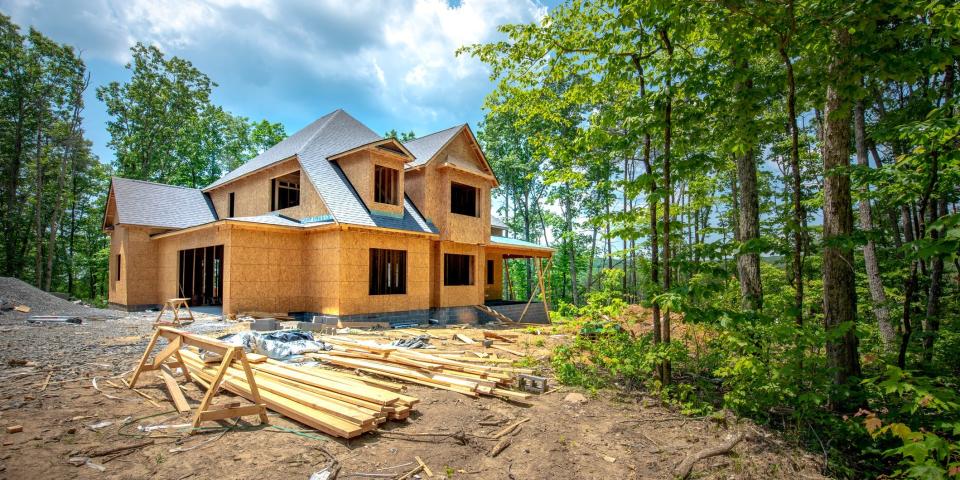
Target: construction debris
pixel 422 368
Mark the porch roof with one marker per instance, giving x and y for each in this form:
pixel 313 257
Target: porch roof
pixel 516 248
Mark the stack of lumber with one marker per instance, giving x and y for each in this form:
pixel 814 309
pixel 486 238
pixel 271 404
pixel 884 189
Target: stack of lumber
pixel 415 366
pixel 333 402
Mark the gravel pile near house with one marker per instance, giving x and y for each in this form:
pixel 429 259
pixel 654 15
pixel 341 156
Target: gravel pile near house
pixel 18 292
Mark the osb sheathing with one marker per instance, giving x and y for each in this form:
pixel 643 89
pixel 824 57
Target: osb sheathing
pixel 168 253
pixel 354 272
pixel 464 228
pixel 493 291
pixel 252 194
pixel 138 269
pixel 321 279
pixel 359 168
pixel 429 188
pixel 457 295
pixel 266 271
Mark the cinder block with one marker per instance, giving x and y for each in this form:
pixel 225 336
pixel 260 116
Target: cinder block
pixel 264 325
pixel 312 327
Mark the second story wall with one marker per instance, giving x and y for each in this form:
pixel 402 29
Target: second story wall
pixel 361 168
pixel 252 195
pixel 432 186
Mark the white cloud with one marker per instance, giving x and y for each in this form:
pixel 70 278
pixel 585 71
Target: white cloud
pixel 395 57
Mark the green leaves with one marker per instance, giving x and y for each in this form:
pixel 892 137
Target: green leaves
pixel 165 128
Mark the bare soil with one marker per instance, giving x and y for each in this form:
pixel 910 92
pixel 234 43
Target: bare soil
pixel 46 385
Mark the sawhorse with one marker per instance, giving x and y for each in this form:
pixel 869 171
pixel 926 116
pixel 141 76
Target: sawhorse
pixel 229 353
pixel 174 304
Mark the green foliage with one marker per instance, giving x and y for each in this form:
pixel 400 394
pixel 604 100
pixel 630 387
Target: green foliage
pixel 917 421
pixel 403 137
pixel 165 128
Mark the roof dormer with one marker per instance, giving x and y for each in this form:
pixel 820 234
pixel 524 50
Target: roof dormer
pixel 376 172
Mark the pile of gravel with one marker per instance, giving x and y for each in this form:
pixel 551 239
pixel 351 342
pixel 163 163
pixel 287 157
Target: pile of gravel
pixel 18 292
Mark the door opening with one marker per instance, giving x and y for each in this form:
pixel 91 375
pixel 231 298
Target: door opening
pixel 201 275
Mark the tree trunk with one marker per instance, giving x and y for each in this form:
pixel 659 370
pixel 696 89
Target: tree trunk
pixel 931 323
pixel 13 178
pixel 839 289
pixel 654 247
pixel 875 283
pixel 526 237
pixel 571 253
pixel 668 190
pixel 799 212
pixel 748 264
pixel 593 255
pixel 891 213
pixel 38 212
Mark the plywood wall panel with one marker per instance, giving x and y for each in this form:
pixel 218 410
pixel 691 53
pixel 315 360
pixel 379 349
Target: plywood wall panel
pixel 252 194
pixel 355 273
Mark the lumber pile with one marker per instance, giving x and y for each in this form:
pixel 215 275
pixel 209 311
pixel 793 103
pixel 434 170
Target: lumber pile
pixel 415 366
pixel 335 403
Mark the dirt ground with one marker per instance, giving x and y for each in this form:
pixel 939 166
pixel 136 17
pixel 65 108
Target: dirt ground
pixel 47 377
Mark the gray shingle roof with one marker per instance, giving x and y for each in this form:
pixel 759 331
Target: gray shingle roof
pixel 425 147
pixel 334 133
pixel 269 220
pixel 157 205
pixel 287 148
pixel 497 223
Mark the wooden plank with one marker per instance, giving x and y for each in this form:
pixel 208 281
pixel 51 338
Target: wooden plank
pixel 143 360
pixel 256 358
pixel 401 373
pixel 463 338
pixel 505 349
pixel 366 394
pixel 176 394
pixel 233 412
pixel 308 416
pixel 497 336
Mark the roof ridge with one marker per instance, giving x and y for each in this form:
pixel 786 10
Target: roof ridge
pixel 435 133
pixel 115 177
pixel 319 129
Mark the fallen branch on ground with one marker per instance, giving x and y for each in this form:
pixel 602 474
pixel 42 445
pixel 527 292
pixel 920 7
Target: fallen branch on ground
pixel 686 466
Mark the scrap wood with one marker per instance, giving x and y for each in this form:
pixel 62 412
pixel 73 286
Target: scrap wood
pixel 499 447
pixel 142 394
pixel 510 428
pixel 411 473
pixel 489 334
pixel 109 451
pixel 22 308
pixel 46 382
pixel 176 395
pixel 463 338
pixel 426 469
pixel 505 349
pixel 686 466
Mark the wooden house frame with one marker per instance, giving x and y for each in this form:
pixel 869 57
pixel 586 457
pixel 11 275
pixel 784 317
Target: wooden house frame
pixel 322 224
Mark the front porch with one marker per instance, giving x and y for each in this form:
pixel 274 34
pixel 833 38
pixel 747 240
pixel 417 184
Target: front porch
pixel 503 295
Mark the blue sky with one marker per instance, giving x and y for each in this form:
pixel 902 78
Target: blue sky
pixel 391 64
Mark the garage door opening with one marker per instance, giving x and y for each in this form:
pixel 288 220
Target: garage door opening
pixel 201 275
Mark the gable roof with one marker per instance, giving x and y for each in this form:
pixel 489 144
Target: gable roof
pixel 334 133
pixel 139 202
pixel 425 147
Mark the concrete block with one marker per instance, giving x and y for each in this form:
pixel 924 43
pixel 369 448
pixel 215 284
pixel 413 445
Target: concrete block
pixel 264 325
pixel 312 327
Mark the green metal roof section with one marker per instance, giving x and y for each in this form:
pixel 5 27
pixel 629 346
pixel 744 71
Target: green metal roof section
pixel 516 242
